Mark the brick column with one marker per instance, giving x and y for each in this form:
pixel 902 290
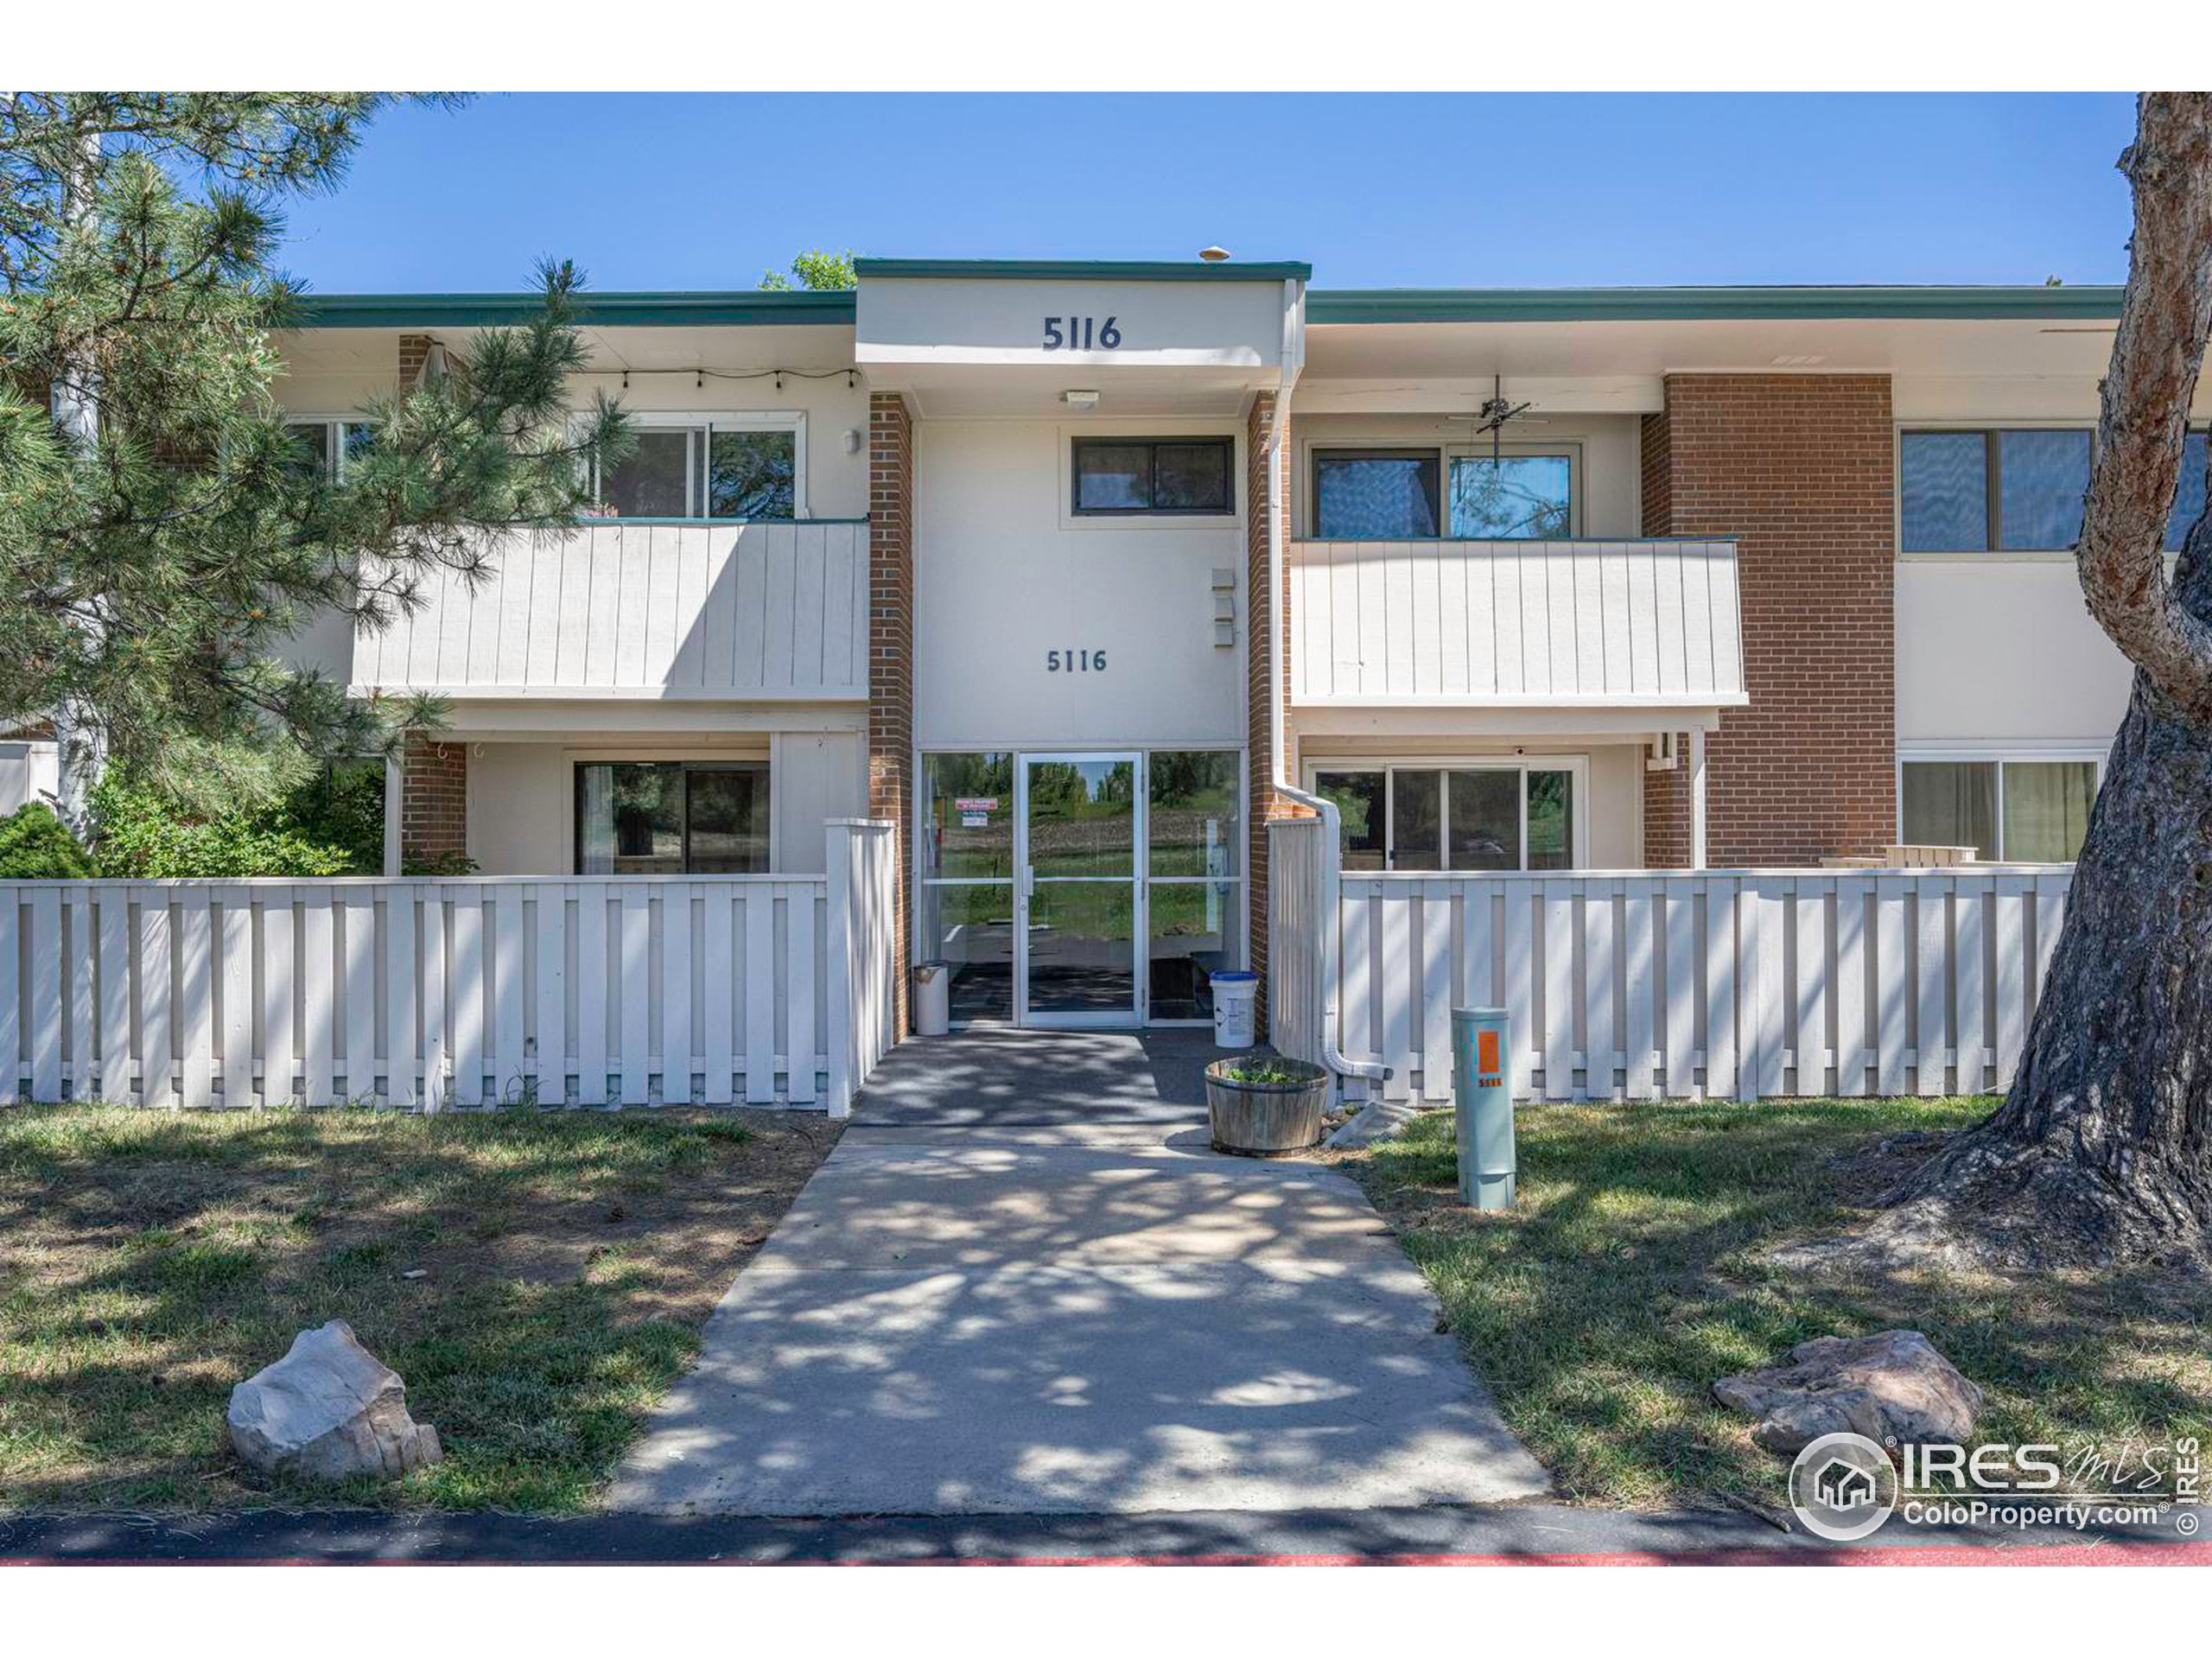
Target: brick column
pixel 1267 634
pixel 1799 468
pixel 414 353
pixel 891 657
pixel 433 802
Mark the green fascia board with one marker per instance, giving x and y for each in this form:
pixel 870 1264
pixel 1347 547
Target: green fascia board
pixel 1332 306
pixel 743 308
pixel 1087 271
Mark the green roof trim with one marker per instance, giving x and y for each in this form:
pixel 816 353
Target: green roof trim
pixel 1357 305
pixel 1088 271
pixel 745 307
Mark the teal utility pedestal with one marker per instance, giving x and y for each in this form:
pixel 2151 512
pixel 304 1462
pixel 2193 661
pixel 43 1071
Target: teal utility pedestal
pixel 1482 1095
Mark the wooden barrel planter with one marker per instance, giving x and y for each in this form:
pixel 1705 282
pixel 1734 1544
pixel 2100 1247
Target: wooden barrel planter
pixel 1274 1107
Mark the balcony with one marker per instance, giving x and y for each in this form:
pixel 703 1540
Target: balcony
pixel 741 612
pixel 1570 626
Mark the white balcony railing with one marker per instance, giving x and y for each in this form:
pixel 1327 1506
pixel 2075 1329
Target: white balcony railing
pixel 1622 623
pixel 742 612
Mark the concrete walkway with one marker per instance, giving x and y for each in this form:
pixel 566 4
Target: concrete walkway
pixel 1041 1310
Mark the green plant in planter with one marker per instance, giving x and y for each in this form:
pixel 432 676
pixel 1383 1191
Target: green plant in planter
pixel 1265 1070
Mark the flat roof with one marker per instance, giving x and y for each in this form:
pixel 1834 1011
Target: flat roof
pixel 1324 307
pixel 1090 271
pixel 722 309
pixel 1367 305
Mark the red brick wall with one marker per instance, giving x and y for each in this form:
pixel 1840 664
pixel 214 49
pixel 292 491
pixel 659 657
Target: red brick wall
pixel 1800 468
pixel 433 800
pixel 414 353
pixel 890 652
pixel 1267 634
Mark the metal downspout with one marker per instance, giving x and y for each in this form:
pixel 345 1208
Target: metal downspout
pixel 1279 695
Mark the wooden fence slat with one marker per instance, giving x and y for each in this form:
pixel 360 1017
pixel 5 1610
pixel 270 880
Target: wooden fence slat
pixel 1394 922
pixel 11 1033
pixel 798 1003
pixel 1355 1026
pixel 1932 978
pixel 1519 993
pixel 279 989
pixel 319 992
pixel 1436 990
pixel 436 928
pixel 1721 978
pixel 156 1004
pixel 509 970
pixel 402 985
pixel 760 998
pixel 718 992
pixel 1969 903
pixel 1809 1013
pixel 549 1074
pixel 1559 990
pixel 1597 990
pixel 591 992
pixel 1640 985
pixel 1892 946
pixel 2010 902
pixel 356 1058
pixel 83 993
pixel 676 946
pixel 46 991
pixel 115 976
pixel 472 968
pixel 1851 897
pixel 636 947
pixel 196 981
pixel 1685 973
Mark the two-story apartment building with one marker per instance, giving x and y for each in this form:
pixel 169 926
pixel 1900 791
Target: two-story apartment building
pixel 1077 573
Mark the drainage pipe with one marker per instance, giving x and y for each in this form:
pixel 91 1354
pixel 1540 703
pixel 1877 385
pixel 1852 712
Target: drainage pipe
pixel 1293 348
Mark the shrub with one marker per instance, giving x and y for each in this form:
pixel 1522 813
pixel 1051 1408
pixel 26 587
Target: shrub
pixel 34 847
pixel 322 828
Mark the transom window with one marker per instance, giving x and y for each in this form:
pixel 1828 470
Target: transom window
pixel 2014 489
pixel 2015 811
pixel 329 443
pixel 1407 494
pixel 706 466
pixel 672 818
pixel 1472 816
pixel 1127 476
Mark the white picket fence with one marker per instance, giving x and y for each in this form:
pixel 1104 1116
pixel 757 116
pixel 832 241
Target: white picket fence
pixel 1711 984
pixel 635 991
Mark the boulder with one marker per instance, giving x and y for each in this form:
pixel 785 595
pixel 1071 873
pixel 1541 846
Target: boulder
pixel 1893 1386
pixel 329 1410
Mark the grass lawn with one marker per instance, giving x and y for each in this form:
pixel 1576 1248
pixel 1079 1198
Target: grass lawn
pixel 148 1260
pixel 1629 1279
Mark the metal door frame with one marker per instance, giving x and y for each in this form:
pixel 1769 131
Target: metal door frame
pixel 1025 879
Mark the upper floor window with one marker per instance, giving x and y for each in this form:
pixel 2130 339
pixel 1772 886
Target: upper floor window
pixel 1154 476
pixel 2016 491
pixel 1393 495
pixel 706 466
pixel 329 443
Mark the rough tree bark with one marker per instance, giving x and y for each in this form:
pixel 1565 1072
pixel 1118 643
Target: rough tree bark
pixel 2102 1151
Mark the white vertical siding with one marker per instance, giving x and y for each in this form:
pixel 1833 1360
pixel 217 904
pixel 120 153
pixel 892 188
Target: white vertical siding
pixel 767 610
pixel 1521 623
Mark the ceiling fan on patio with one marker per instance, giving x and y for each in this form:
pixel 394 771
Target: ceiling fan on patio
pixel 1495 412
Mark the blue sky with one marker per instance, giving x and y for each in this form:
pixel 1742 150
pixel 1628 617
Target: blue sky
pixel 698 191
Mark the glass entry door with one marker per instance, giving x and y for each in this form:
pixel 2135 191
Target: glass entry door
pixel 1078 893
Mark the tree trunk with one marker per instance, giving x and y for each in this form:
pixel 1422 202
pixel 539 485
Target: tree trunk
pixel 2102 1152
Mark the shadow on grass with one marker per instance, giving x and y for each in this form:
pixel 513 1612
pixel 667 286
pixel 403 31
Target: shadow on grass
pixel 1633 1275
pixel 150 1261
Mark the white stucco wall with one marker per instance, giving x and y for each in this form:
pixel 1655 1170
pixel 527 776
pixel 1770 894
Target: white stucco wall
pixel 522 795
pixel 1004 573
pixel 2002 649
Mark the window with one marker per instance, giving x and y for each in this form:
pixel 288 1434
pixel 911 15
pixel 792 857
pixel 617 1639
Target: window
pixel 1470 816
pixel 1392 495
pixel 666 818
pixel 2017 812
pixel 1153 475
pixel 329 445
pixel 1192 899
pixel 2019 491
pixel 715 466
pixel 1512 498
pixel 1383 494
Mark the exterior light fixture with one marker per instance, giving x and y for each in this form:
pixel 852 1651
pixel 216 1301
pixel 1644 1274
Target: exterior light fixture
pixel 1080 399
pixel 1213 256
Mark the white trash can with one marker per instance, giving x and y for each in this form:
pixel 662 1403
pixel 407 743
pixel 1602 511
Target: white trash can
pixel 1236 997
pixel 933 998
